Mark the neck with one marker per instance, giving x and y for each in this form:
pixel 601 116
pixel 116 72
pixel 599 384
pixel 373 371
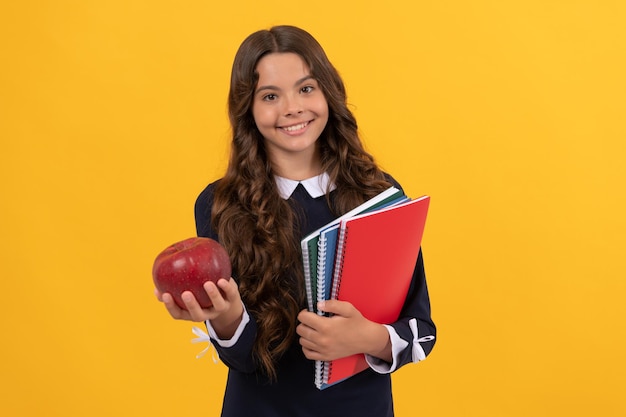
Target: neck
pixel 297 168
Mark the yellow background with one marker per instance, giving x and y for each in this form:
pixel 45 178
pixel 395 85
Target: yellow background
pixel 510 114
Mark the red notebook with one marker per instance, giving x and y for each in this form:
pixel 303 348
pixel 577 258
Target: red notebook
pixel 376 257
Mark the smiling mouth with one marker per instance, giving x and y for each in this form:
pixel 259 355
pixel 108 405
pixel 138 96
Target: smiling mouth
pixel 297 127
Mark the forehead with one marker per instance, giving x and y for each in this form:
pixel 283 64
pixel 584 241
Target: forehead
pixel 281 66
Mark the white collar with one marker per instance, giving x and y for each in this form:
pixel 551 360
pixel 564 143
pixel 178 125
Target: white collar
pixel 315 186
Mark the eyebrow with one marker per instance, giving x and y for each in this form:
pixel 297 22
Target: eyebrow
pixel 274 88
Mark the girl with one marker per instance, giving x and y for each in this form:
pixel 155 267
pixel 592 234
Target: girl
pixel 296 164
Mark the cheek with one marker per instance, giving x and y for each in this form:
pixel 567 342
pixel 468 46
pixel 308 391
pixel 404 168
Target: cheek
pixel 322 107
pixel 323 111
pixel 262 118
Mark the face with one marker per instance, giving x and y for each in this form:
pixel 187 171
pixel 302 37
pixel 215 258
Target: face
pixel 289 108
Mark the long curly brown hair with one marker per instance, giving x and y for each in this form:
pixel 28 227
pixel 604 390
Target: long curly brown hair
pixel 257 226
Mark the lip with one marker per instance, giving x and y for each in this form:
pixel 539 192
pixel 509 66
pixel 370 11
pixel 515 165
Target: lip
pixel 296 128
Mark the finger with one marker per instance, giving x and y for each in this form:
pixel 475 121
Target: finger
pixel 336 307
pixel 218 301
pixel 309 318
pixel 229 287
pixel 171 306
pixel 302 316
pixel 311 354
pixel 158 295
pixel 193 307
pixel 307 344
pixel 304 331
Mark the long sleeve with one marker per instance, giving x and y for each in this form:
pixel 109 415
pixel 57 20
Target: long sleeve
pixel 413 336
pixel 236 352
pixel 416 325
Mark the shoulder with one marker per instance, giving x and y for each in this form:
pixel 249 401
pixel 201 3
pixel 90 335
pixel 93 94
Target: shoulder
pixel 392 180
pixel 206 195
pixel 202 210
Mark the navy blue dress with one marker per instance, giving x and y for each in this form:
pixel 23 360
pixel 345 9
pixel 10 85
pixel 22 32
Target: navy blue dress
pixel 368 394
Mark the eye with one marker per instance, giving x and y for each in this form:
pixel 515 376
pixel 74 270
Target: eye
pixel 269 97
pixel 307 89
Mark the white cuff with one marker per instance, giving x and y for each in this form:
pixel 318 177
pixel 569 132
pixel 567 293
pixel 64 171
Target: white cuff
pixel 245 319
pixel 397 345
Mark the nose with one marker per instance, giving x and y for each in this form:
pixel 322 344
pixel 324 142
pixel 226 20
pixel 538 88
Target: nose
pixel 293 106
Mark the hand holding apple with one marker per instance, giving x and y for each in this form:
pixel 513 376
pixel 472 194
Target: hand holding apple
pixel 187 265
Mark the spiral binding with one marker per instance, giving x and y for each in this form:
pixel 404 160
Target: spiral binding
pixel 321 262
pixel 319 374
pixel 343 236
pixel 327 371
pixel 307 276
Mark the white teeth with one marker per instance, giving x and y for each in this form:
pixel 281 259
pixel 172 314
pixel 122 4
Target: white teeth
pixel 296 127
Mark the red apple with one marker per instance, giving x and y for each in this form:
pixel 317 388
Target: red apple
pixel 187 265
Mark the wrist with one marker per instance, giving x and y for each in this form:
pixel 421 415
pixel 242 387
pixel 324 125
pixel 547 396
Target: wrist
pixel 379 343
pixel 226 325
